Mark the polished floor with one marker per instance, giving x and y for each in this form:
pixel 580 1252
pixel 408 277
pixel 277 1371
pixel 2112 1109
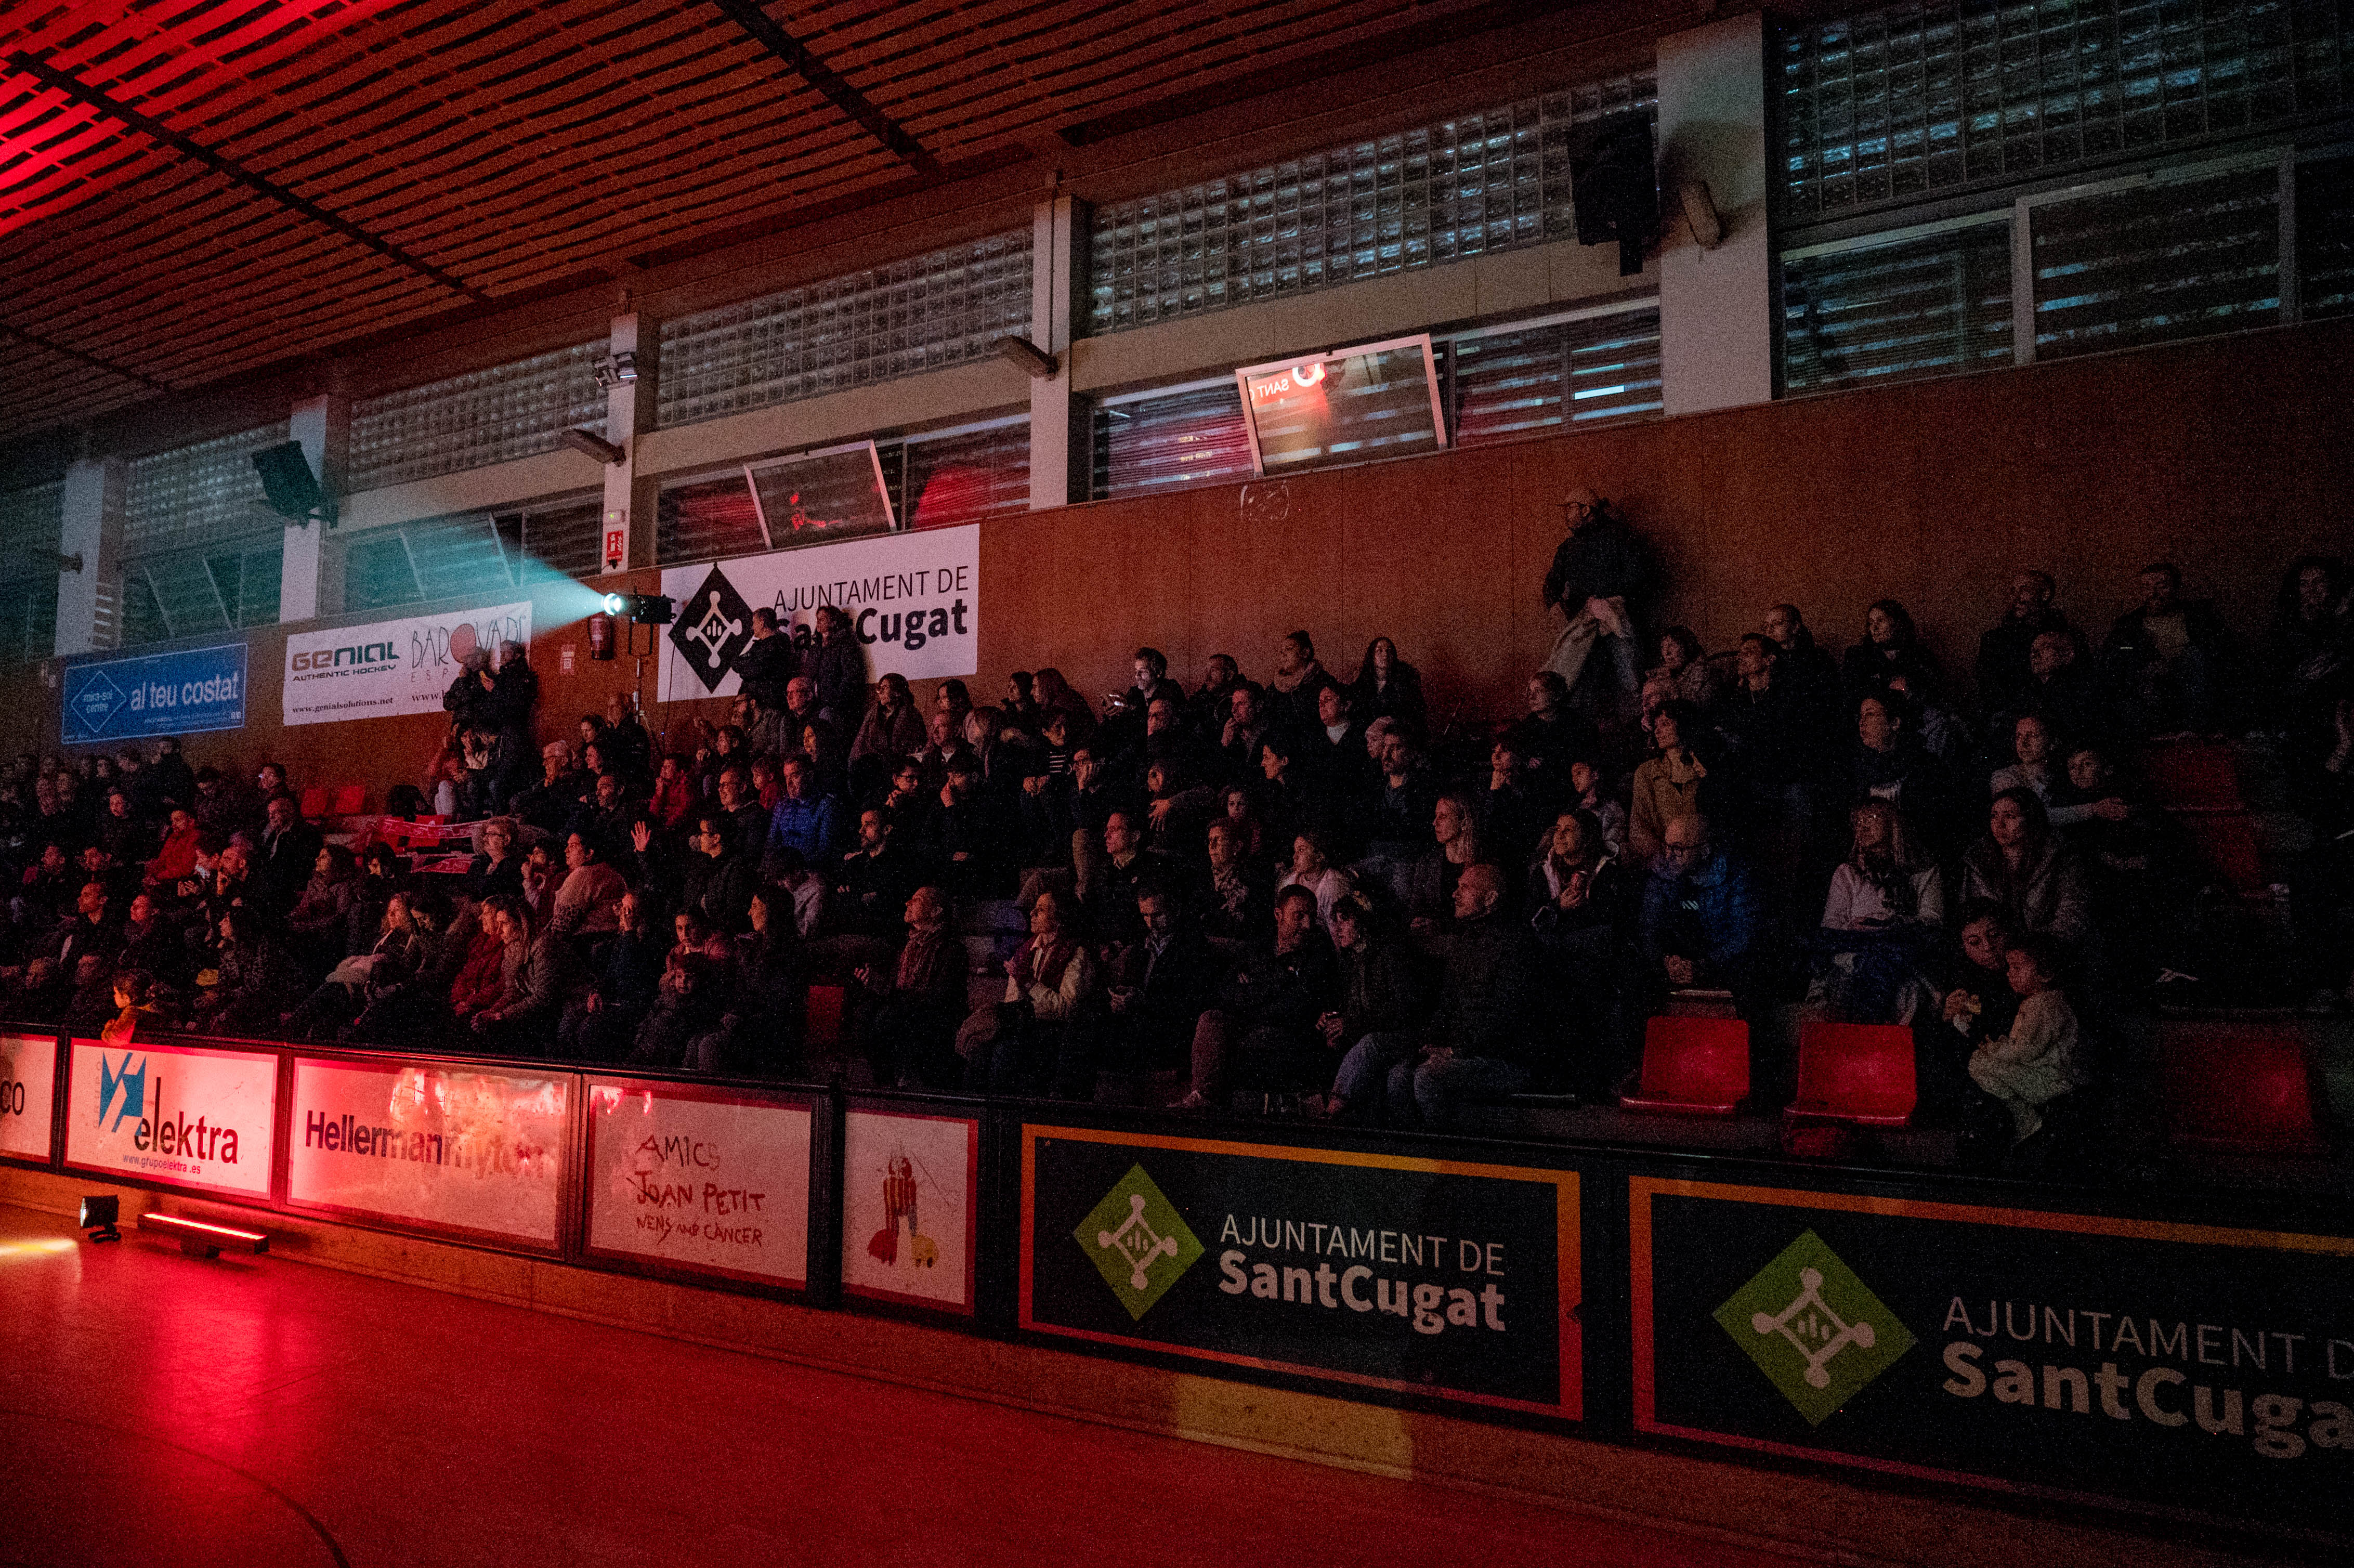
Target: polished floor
pixel 173 1412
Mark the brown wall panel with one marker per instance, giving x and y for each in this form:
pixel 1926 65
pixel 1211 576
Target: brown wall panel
pixel 2229 457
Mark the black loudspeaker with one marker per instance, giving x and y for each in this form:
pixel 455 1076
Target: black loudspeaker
pixel 1614 188
pixel 287 480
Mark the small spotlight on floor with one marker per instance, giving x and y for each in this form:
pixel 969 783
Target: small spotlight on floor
pixel 99 1216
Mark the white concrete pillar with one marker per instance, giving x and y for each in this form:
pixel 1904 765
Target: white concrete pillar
pixel 629 412
pixel 90 601
pixel 310 581
pixel 1716 307
pixel 1058 416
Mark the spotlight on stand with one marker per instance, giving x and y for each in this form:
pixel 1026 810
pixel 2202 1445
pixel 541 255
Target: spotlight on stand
pixel 1025 354
pixel 594 445
pixel 645 608
pixel 99 1216
pixel 616 603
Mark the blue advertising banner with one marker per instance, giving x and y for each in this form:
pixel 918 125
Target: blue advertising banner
pixel 161 694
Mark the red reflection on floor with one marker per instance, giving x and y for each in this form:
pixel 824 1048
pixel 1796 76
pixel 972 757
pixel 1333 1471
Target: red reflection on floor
pixel 157 1408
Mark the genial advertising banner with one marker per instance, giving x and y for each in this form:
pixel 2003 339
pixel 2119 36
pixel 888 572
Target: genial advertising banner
pixel 186 1115
pixel 1430 1276
pixel 29 1078
pixel 390 667
pixel 460 1150
pixel 910 1228
pixel 2188 1370
pixel 913 599
pixel 699 1179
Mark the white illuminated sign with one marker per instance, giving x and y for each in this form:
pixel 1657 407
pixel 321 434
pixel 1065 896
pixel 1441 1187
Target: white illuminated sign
pixel 29 1076
pixel 183 1114
pixel 699 1179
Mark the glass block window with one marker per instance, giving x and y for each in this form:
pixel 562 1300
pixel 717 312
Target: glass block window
pixel 485 416
pixel 31 523
pixel 2325 237
pixel 455 557
pixel 1494 180
pixel 1896 310
pixel 213 587
pixel 1938 96
pixel 1587 370
pixel 2157 262
pixel 1166 439
pixel 904 318
pixel 197 492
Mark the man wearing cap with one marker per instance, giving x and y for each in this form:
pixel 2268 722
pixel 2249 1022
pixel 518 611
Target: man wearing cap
pixel 1596 571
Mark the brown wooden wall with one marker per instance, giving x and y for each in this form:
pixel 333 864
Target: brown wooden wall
pixel 2229 457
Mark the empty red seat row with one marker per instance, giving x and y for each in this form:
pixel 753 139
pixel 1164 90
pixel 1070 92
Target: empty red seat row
pixel 2193 777
pixel 345 800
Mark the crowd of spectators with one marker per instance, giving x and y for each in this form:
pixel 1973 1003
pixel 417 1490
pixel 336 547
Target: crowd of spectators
pixel 1302 886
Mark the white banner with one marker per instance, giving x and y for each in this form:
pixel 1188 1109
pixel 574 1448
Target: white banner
pixel 29 1078
pixel 699 1179
pixel 908 1213
pixel 478 1151
pixel 913 599
pixel 182 1113
pixel 390 667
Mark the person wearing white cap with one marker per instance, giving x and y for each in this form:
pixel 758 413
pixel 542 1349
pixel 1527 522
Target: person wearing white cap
pixel 1596 571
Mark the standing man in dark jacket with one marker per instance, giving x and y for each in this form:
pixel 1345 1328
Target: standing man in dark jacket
pixel 290 848
pixel 1487 1024
pixel 764 669
pixel 837 667
pixel 1598 573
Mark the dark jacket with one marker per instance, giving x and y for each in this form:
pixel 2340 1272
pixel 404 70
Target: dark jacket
pixel 1285 990
pixel 2002 662
pixel 719 888
pixel 1604 559
pixel 1712 909
pixel 1383 989
pixel 838 671
pixel 764 667
pixel 284 865
pixel 1487 1002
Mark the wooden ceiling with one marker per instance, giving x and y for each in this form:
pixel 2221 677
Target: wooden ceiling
pixel 191 190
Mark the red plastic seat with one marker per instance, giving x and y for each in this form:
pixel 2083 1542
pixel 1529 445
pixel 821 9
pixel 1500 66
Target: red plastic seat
pixel 2237 1088
pixel 1693 1066
pixel 351 799
pixel 1856 1072
pixel 2194 777
pixel 314 800
pixel 2228 840
pixel 823 1026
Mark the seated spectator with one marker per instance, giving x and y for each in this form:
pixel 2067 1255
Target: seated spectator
pixel 1511 807
pixel 602 1023
pixel 2165 657
pixel 1551 735
pixel 2063 691
pixel 1261 1030
pixel 177 858
pixel 1399 827
pixel 1581 902
pixel 1577 883
pixel 1312 868
pixel 2036 770
pixel 316 926
pixel 762 1032
pixel 1289 796
pixel 401 1001
pixel 1426 885
pixel 1159 989
pixel 1699 922
pixel 2004 650
pixel 1668 785
pixel 1879 923
pixel 1376 1019
pixel 605 818
pixel 914 1004
pixel 2310 648
pixel 1806 666
pixel 943 748
pixel 1388 687
pixel 1025 1044
pixel 966 834
pixel 1177 810
pixel 891 729
pixel 1056 696
pixel 910 802
pixel 2099 820
pixel 1973 997
pixel 1588 794
pixel 396 955
pixel 1297 678
pixel 1891 657
pixel 1212 703
pixel 684 1029
pixel 2023 868
pixel 803 822
pixel 290 852
pixel 257 980
pixel 2038 1060
pixel 1685 664
pixel 1485 1031
pixel 1889 763
pixel 1127 868
pixel 1239 909
pixel 155 941
pixel 872 886
pixel 1249 723
pixel 126 835
pixel 589 899
pixel 673 794
pixel 537 977
pixel 1772 735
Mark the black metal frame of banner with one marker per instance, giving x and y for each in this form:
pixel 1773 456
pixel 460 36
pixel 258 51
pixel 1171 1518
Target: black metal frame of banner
pixel 1610 1179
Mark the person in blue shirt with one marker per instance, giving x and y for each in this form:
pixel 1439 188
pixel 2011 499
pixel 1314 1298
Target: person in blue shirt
pixel 803 820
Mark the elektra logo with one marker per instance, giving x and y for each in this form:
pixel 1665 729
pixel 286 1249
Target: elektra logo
pixel 123 1094
pixel 1138 1242
pixel 1816 1330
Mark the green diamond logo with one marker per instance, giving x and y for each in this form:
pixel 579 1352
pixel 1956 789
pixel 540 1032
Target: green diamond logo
pixel 1815 1329
pixel 1138 1241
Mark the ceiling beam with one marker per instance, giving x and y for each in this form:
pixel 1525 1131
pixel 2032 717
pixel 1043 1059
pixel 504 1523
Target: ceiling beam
pixel 53 347
pixel 763 30
pixel 123 113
